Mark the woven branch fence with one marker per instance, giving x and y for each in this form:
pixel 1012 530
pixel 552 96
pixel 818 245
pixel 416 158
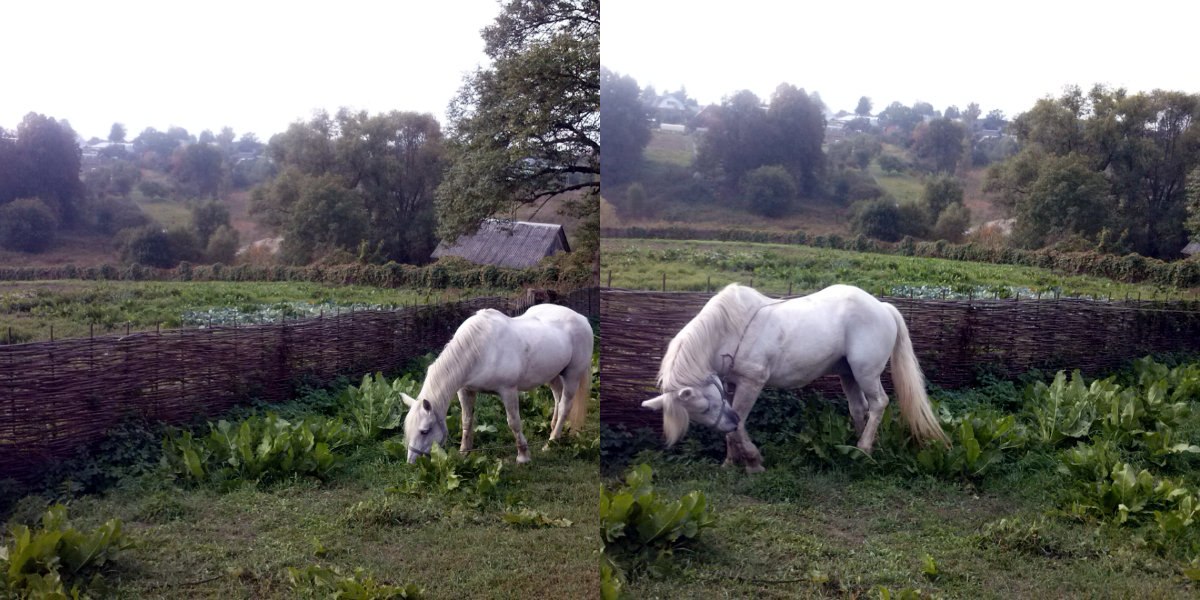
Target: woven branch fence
pixel 56 397
pixel 955 340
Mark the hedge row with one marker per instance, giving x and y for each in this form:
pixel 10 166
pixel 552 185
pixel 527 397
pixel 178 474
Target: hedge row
pixel 446 273
pixel 1131 268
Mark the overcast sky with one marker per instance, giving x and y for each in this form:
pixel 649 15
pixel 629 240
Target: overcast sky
pixel 254 66
pixel 1002 55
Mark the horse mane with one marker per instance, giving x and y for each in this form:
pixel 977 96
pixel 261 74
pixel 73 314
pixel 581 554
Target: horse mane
pixel 688 360
pixel 447 374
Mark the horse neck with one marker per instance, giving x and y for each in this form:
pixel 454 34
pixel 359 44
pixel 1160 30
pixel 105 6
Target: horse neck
pixel 453 366
pixel 720 323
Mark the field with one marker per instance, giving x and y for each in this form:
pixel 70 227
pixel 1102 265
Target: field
pixel 233 537
pixel 689 265
pixel 77 308
pixel 1030 503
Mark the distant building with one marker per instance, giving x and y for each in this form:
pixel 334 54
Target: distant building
pixel 513 244
pixel 1191 249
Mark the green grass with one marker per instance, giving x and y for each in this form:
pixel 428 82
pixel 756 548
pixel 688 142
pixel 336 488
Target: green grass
pixel 168 213
pixel 904 187
pixel 806 533
pixel 670 147
pixel 688 265
pixel 74 308
pixel 200 542
pixel 807 528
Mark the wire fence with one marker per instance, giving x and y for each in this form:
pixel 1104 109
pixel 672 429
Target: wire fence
pixel 58 396
pixel 955 340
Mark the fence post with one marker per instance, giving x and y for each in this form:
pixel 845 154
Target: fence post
pixel 664 281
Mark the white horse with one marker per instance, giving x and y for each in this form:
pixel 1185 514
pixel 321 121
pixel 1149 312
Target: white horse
pixel 754 341
pixel 491 352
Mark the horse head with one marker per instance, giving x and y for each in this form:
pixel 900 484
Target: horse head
pixel 423 426
pixel 704 404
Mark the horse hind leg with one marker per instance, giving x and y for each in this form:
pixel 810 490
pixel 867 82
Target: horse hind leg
pixel 559 386
pixel 512 411
pixel 877 402
pixel 857 402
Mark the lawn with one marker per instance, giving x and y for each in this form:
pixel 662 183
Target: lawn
pixel 237 540
pixel 1028 518
pixel 691 265
pixel 79 308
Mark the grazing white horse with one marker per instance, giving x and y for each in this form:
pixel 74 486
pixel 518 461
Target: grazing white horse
pixel 491 352
pixel 754 341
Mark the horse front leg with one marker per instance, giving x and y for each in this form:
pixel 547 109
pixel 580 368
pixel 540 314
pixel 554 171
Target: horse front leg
pixel 466 400
pixel 739 449
pixel 513 412
pixel 877 402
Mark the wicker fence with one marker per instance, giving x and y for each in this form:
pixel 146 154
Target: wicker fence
pixel 58 396
pixel 955 340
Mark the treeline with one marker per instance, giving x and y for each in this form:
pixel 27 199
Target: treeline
pixel 1130 268
pixel 446 273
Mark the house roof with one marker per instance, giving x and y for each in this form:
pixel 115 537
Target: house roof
pixel 1191 248
pixel 515 244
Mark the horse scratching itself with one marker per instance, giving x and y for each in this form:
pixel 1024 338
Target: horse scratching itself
pixel 491 352
pixel 754 341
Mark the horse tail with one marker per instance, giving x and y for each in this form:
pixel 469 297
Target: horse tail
pixel 910 386
pixel 579 405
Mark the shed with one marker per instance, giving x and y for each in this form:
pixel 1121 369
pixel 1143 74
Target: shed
pixel 1192 249
pixel 513 244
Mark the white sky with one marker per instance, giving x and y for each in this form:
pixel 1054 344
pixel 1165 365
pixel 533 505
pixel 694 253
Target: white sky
pixel 1002 55
pixel 255 66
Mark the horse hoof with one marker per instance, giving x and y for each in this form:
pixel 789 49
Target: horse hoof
pixel 546 448
pixel 754 469
pixel 522 459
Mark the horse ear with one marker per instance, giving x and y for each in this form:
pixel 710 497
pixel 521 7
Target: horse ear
pixel 685 393
pixel 426 405
pixel 655 403
pixel 408 400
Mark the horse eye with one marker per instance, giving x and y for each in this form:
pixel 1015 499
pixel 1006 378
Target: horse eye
pixel 425 431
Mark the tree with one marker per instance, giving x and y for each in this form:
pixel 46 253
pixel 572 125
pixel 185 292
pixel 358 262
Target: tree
pixel 864 107
pixel 939 144
pixel 222 246
pixel 994 120
pixel 739 139
pixel 207 217
pixel 797 126
pixel 769 191
pixel 624 126
pixel 327 216
pixel 952 112
pixel 27 225
pixel 952 223
pixel 1066 198
pixel 1193 204
pixel 527 127
pixel 45 165
pixel 117 133
pixel 940 193
pixel 200 170
pixel 970 115
pixel 879 219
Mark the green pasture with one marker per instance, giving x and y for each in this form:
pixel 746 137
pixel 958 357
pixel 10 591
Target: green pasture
pixel 78 308
pixel 692 265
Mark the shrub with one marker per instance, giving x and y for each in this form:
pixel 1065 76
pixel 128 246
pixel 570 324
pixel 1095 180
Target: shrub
pixel 769 191
pixel 39 563
pixel 635 197
pixel 940 193
pixel 154 190
pixel 640 528
pixel 114 214
pixel 207 217
pixel 222 245
pixel 892 164
pixel 27 225
pixel 952 223
pixel 147 245
pixel 851 185
pixel 879 219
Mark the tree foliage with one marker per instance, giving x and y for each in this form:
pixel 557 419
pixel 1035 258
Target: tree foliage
pixel 789 133
pixel 624 125
pixel 27 225
pixel 388 165
pixel 527 127
pixel 42 161
pixel 938 144
pixel 1138 149
pixel 941 192
pixel 117 133
pixel 769 191
pixel 864 107
pixel 200 169
pixel 207 217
